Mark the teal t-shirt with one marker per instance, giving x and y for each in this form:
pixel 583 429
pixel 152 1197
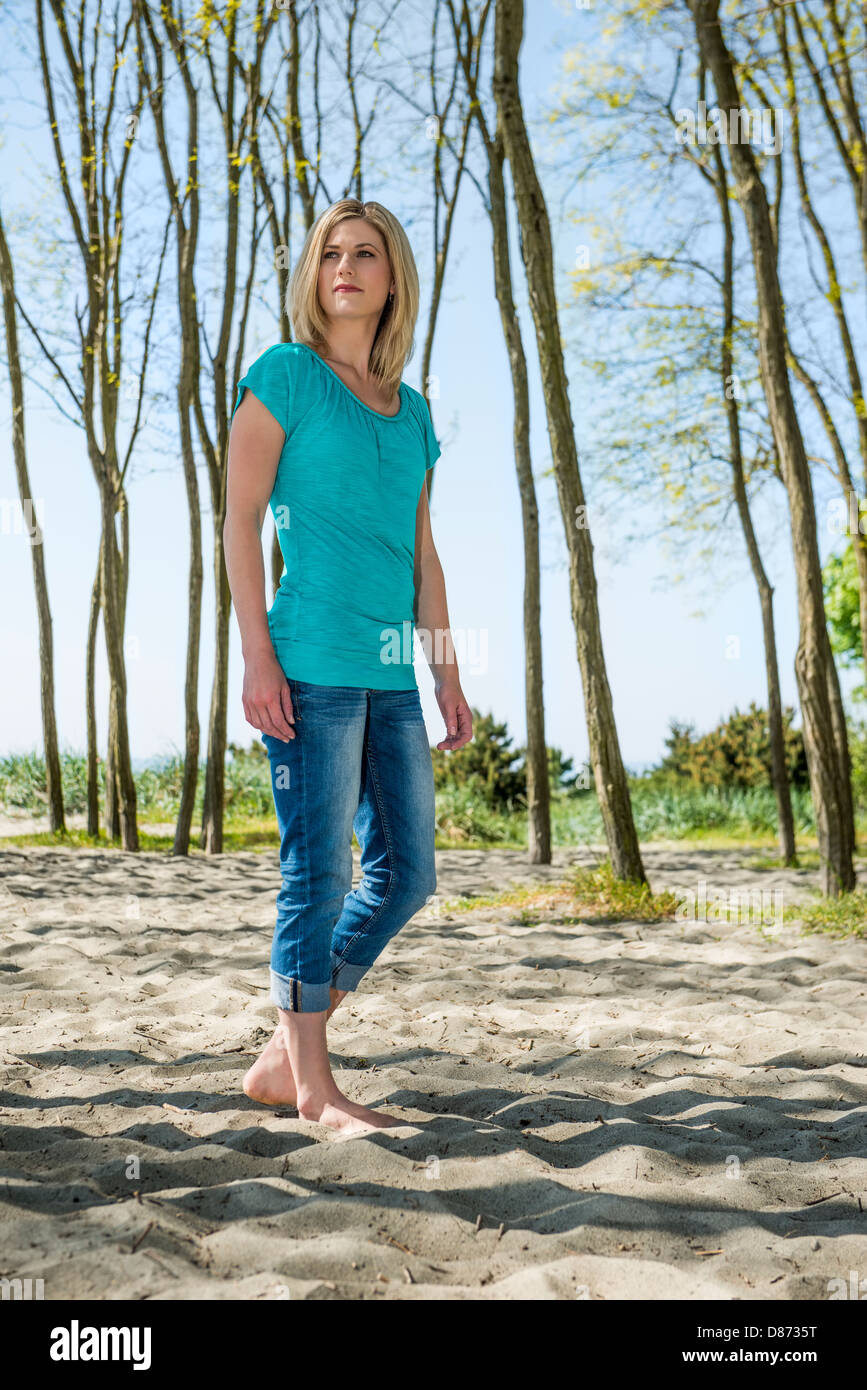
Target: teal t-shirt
pixel 344 503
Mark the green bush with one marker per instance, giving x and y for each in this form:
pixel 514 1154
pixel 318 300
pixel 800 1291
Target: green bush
pixel 701 786
pixel 858 753
pixel 496 770
pixel 463 815
pixel 737 754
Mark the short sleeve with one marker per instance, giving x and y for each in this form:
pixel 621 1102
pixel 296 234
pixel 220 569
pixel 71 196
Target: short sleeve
pixel 269 380
pixel 431 444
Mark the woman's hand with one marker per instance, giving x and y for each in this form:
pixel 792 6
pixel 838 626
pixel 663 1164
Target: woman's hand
pixel 456 713
pixel 266 699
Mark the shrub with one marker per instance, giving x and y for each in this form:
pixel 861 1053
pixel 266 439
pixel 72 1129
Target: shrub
pixel 737 754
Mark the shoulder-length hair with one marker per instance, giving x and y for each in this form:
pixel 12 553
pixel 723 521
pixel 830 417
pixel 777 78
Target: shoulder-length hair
pixel 394 343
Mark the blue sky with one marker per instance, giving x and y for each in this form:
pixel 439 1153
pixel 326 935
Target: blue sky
pixel 691 652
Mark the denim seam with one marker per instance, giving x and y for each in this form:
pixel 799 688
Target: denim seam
pixel 362 931
pixel 297 961
pixel 304 823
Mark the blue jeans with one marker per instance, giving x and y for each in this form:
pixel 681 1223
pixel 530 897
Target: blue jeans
pixel 360 760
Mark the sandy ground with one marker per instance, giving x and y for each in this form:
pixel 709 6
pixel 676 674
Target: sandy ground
pixel 602 1111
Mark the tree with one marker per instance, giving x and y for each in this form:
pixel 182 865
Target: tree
pixel 185 216
pixel 538 791
pixel 821 704
pixel 94 199
pixel 609 773
pixel 54 785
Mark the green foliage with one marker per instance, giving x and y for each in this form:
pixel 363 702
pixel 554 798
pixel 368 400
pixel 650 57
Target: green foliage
pixel 737 754
pixel 598 889
pixel 858 752
pixel 485 804
pixel 840 586
pixel 22 782
pixel 496 770
pixel 845 915
pixel 158 786
pixel 488 760
pixel 583 894
pixel 684 811
pixel 465 817
pixel 248 781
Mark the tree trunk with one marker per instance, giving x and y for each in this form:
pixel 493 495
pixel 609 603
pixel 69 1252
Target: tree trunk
pixel 538 776
pixel 776 734
pixel 821 706
pixel 186 241
pixel 112 590
pixel 192 734
pixel 609 773
pixel 90 701
pixel 112 810
pixel 837 303
pixel 97 226
pixel 277 565
pixel 53 780
pixel 215 777
pixel 468 46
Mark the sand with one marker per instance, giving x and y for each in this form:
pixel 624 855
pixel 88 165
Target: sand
pixel 596 1111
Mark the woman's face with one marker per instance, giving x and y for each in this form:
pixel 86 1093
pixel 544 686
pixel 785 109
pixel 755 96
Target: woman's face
pixel 354 255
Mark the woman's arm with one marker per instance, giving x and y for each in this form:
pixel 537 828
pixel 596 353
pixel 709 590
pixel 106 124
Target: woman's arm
pixel 255 444
pixel 432 624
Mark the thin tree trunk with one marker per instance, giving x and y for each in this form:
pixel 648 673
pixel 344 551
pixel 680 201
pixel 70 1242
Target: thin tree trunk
pixel 847 128
pixel 215 776
pixel 192 730
pixel 834 295
pixel 821 705
pixel 97 227
pixel 112 592
pixel 90 702
pixel 186 242
pixel 538 775
pixel 112 809
pixel 610 776
pixel 216 452
pixel 278 565
pixel 53 779
pixel 776 734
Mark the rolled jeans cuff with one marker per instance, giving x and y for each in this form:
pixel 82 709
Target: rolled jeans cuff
pixel 345 975
pixel 298 997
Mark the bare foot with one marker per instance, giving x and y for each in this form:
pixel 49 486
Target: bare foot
pixel 340 1113
pixel 270 1080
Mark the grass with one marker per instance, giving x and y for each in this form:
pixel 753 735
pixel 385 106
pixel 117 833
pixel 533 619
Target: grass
pixel 595 895
pixel 584 894
pixel 845 916
pixel 253 835
pixel 707 817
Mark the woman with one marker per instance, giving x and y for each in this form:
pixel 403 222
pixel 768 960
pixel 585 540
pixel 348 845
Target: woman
pixel 327 432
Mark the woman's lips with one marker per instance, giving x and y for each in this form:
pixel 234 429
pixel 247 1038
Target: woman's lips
pixel 348 289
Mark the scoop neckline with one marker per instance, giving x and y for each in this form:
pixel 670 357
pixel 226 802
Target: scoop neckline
pixel 401 391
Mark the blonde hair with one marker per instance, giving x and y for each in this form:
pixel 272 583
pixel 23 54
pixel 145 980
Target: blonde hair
pixel 394 343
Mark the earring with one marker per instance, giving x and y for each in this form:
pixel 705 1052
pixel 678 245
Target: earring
pixel 391 299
